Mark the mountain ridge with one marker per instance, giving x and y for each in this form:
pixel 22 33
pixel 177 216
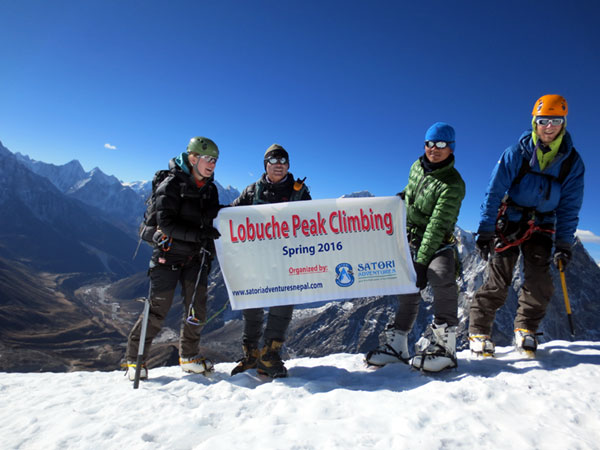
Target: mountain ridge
pixel 122 202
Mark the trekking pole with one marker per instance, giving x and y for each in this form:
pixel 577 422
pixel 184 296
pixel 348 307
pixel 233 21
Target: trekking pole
pixel 192 319
pixel 563 282
pixel 140 355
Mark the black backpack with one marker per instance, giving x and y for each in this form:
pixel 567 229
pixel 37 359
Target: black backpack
pixel 149 224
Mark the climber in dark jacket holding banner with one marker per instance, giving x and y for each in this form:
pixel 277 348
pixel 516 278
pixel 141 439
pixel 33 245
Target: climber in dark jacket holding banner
pixel 276 185
pixel 531 205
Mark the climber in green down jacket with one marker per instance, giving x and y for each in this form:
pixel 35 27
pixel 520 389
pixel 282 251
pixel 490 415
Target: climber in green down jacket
pixel 433 197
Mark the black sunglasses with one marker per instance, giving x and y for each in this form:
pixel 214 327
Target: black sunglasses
pixel 438 144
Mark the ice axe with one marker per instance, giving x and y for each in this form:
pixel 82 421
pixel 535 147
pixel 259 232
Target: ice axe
pixel 140 355
pixel 563 282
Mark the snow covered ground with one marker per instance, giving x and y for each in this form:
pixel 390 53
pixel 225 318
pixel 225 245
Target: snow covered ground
pixel 334 402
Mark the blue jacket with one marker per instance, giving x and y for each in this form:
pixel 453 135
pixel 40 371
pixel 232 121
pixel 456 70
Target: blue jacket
pixel 554 203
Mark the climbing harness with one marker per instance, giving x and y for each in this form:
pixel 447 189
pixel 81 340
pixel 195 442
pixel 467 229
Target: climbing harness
pixel 523 230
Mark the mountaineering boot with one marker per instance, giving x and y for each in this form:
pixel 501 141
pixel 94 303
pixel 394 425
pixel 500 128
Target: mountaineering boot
pixel 436 349
pixel 249 360
pixel 525 341
pixel 131 365
pixel 197 364
pixel 481 345
pixel 393 350
pixel 269 360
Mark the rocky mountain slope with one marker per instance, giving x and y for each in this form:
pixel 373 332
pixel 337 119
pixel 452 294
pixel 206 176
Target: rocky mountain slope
pixel 48 230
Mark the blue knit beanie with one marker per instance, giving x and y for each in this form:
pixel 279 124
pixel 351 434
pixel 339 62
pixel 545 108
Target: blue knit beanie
pixel 441 131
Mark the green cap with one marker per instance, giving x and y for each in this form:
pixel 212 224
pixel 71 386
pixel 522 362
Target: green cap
pixel 203 146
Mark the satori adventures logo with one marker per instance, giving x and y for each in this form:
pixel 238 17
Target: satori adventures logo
pixel 344 275
pixel 376 270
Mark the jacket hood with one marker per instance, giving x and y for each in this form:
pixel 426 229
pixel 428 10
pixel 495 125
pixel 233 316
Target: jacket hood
pixel 182 162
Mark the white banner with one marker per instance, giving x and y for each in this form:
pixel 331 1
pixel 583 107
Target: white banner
pixel 308 251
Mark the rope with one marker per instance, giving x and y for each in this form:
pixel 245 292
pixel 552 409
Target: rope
pixel 531 228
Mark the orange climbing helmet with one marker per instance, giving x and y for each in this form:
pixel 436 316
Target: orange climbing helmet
pixel 550 105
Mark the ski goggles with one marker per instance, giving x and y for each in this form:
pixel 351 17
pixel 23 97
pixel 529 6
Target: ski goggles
pixel 438 144
pixel 554 121
pixel 209 159
pixel 274 160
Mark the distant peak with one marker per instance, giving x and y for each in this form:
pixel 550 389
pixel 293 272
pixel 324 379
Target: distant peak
pixel 358 194
pixel 96 173
pixel 75 163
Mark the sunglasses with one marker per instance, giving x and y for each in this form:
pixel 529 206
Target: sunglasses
pixel 274 160
pixel 209 159
pixel 543 121
pixel 438 144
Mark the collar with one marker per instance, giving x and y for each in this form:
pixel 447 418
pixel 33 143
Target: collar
pixel 283 180
pixel 545 153
pixel 428 166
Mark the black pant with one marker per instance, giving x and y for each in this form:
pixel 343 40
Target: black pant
pixel 164 279
pixel 278 319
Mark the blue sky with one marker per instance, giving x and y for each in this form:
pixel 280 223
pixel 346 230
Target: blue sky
pixel 348 87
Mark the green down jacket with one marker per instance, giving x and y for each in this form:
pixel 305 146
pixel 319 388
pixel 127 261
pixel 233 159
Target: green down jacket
pixel 432 205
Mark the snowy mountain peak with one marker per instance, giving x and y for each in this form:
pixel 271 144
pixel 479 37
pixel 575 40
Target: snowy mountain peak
pixel 141 187
pixel 358 194
pixel 100 177
pixel 64 177
pixel 74 166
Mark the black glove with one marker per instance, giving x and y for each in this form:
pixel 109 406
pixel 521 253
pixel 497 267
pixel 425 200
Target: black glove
pixel 484 243
pixel 562 253
pixel 421 270
pixel 210 233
